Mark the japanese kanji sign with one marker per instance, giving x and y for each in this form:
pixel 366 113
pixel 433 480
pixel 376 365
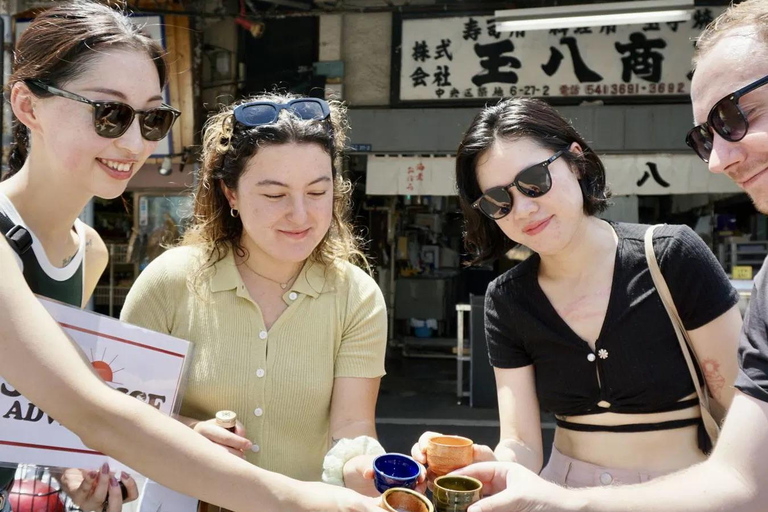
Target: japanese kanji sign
pixel 465 57
pixel 636 174
pixel 411 176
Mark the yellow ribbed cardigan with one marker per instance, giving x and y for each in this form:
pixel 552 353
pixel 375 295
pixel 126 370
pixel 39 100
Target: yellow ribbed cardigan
pixel 278 382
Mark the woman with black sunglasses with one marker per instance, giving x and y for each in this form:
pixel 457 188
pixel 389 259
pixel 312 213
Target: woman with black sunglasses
pixel 578 328
pixel 289 333
pixel 75 139
pixel 83 73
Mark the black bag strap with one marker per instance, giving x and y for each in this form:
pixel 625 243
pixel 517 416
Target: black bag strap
pixel 18 236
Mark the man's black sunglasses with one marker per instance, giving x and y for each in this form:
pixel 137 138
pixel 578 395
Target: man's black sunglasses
pixel 258 113
pixel 111 119
pixel 726 119
pixel 533 181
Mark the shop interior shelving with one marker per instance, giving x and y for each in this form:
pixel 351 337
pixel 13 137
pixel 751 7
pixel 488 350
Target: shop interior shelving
pixel 742 254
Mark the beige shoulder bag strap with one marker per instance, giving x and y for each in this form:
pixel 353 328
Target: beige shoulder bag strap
pixel 710 424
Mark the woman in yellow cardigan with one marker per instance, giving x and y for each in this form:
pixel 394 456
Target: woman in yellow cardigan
pixel 288 332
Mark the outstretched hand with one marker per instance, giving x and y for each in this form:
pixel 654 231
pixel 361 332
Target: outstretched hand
pixel 511 487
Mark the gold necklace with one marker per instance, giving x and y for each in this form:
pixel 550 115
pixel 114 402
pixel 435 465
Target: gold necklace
pixel 282 285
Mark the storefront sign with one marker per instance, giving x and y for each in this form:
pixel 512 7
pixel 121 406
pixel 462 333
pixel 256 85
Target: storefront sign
pixel 663 173
pixel 144 364
pixel 465 57
pixel 640 174
pixel 411 176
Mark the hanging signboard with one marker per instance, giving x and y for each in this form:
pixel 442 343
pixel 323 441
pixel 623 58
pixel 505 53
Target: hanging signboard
pixel 464 58
pixel 636 174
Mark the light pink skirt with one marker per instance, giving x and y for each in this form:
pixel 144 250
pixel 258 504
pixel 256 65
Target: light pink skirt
pixel 570 472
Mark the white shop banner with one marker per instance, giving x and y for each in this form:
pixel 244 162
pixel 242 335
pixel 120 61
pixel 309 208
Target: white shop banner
pixel 141 363
pixel 411 175
pixel 456 58
pixel 663 173
pixel 635 174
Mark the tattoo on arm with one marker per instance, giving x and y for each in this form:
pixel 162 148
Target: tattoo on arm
pixel 715 379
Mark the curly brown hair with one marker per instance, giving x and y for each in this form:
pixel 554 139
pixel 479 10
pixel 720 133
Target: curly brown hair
pixel 227 147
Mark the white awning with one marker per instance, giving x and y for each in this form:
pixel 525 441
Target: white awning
pixel 636 174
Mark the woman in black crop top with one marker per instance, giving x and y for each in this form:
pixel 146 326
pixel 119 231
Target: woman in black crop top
pixel 578 329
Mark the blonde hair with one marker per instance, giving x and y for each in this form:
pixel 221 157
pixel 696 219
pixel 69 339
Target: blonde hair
pixel 228 146
pixel 749 14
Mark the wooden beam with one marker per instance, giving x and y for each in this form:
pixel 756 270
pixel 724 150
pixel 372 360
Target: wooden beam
pixel 180 79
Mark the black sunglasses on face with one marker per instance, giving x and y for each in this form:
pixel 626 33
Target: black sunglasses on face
pixel 111 119
pixel 258 113
pixel 726 119
pixel 533 181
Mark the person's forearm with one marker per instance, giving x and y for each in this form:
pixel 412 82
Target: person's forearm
pixel 183 460
pixel 513 450
pixel 186 420
pixel 43 364
pixel 733 478
pixel 354 429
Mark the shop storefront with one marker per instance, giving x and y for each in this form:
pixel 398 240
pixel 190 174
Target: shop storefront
pixel 625 88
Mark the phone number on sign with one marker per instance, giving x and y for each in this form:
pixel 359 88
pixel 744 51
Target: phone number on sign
pixel 619 89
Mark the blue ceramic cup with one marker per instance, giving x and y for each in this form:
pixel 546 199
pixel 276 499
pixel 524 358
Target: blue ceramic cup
pixel 395 470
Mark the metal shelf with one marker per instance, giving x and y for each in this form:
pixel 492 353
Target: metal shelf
pixel 751 253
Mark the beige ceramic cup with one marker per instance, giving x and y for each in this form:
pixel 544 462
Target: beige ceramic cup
pixel 455 493
pixel 400 499
pixel 446 454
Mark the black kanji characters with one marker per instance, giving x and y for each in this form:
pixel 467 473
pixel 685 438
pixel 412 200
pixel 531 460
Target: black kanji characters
pixel 493 60
pixel 492 29
pixel 641 60
pixel 419 77
pixel 654 171
pixel 580 68
pixel 472 30
pixel 702 18
pixel 442 77
pixel 420 51
pixel 441 50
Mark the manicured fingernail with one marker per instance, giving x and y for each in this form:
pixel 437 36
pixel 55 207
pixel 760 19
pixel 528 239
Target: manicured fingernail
pixel 124 475
pixel 93 474
pixel 105 468
pixel 112 481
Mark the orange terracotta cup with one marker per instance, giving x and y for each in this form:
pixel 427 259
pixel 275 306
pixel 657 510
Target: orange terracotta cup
pixel 446 454
pixel 400 499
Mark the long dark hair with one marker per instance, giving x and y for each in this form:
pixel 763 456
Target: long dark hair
pixel 513 119
pixel 60 43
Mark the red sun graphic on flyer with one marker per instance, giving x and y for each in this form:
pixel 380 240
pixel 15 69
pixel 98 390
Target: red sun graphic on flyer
pixel 104 368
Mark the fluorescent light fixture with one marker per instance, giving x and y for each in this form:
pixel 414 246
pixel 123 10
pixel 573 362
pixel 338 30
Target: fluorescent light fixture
pixel 594 15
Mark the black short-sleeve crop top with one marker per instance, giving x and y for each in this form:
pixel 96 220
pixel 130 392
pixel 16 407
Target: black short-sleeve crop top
pixel 638 366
